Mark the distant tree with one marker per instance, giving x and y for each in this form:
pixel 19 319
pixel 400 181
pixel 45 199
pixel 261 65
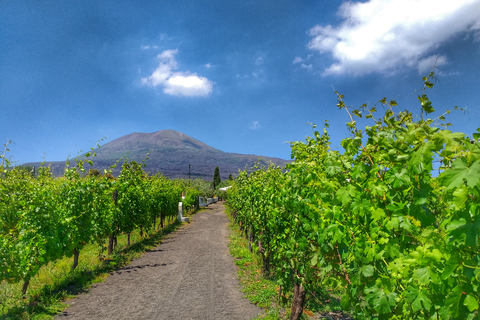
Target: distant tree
pixel 94 173
pixel 216 178
pixel 26 168
pixel 230 177
pixel 109 176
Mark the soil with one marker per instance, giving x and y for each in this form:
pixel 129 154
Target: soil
pixel 191 275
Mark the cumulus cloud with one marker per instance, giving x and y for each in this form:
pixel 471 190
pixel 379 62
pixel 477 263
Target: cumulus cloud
pixel 255 125
pixel 388 35
pixel 177 83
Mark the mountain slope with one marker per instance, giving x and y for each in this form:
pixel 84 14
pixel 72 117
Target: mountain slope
pixel 164 140
pixel 171 153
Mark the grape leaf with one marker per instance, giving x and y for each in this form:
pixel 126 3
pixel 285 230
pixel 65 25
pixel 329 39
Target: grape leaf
pixel 343 196
pixel 418 299
pixel 471 303
pixel 314 260
pixel 454 178
pixel 446 137
pixel 381 301
pixel 377 214
pixel 425 275
pixel 466 230
pixel 367 270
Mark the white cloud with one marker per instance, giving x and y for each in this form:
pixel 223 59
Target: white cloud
pixel 306 66
pixel 181 84
pixel 259 61
pixel 387 35
pixel 147 47
pixel 303 62
pixel 434 61
pixel 177 83
pixel 298 60
pixel 255 125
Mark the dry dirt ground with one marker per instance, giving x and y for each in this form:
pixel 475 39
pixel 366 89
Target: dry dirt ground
pixel 191 275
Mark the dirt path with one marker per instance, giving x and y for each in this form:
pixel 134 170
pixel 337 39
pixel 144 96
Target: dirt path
pixel 191 275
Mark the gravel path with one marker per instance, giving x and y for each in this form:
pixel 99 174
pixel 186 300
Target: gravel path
pixel 191 275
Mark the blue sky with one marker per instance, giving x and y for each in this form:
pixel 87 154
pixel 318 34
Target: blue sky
pixel 241 76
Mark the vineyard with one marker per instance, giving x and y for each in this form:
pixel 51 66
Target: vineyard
pixel 43 218
pixel 393 219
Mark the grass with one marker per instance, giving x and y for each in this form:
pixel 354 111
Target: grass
pixel 56 282
pixel 259 290
pixel 264 292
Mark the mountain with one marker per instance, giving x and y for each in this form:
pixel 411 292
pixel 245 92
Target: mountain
pixel 169 152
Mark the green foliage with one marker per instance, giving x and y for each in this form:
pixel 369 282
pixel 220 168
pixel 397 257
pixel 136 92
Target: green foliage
pixel 261 291
pixel 203 187
pixel 43 219
pixel 24 238
pixel 372 218
pixel 56 282
pixel 191 198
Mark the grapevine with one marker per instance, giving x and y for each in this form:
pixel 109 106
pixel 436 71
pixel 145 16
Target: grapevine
pixel 373 218
pixel 43 218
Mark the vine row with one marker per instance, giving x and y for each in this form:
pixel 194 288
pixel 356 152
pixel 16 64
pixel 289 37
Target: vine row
pixel 43 218
pixel 393 218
